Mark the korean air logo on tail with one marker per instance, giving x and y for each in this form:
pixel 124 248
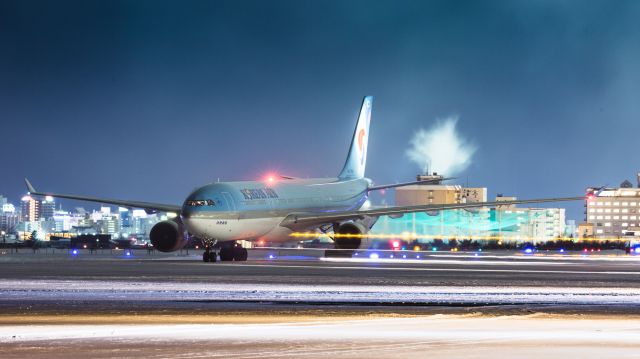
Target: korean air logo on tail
pixel 361 147
pixel 362 133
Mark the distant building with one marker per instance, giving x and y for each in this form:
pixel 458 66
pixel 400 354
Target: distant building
pixel 501 198
pixel 613 212
pixel 29 209
pixel 437 193
pixel 8 216
pixel 47 208
pixel 570 228
pixel 9 221
pixel 585 230
pixel 543 224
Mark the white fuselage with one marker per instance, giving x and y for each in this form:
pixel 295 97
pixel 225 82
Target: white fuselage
pixel 254 210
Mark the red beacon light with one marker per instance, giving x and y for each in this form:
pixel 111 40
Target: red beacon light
pixel 270 178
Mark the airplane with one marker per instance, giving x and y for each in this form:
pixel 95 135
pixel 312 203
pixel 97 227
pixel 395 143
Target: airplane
pixel 272 209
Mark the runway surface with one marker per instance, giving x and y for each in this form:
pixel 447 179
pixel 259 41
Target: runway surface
pixel 280 303
pixel 274 276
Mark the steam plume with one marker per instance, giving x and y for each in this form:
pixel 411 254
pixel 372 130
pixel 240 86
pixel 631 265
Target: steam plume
pixel 441 149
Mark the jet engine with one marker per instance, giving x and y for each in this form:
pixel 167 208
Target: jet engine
pixel 168 236
pixel 354 228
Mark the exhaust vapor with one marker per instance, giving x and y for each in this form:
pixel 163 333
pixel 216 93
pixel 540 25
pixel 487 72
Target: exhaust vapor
pixel 441 149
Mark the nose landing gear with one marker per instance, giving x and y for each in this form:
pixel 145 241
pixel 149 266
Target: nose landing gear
pixel 209 254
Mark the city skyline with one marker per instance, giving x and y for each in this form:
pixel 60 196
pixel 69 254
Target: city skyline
pixel 148 100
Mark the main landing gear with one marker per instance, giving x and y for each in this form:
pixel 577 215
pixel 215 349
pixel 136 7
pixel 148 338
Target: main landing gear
pixel 232 251
pixel 229 251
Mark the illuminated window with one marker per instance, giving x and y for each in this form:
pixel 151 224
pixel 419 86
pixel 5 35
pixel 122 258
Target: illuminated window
pixel 625 217
pixel 632 217
pixel 607 210
pixel 632 203
pixel 625 203
pixel 624 224
pixel 598 230
pixel 591 210
pixel 616 217
pixel 598 203
pixel 592 217
pixel 616 210
pixel 600 210
pixel 607 224
pixel 607 203
pixel 616 203
pixel 625 210
pixel 599 217
pixel 607 217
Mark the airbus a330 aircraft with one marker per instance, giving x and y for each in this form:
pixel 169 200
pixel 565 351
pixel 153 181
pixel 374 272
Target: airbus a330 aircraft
pixel 226 212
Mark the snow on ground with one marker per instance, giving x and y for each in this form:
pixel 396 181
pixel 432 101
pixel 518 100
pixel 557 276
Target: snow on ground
pixel 96 290
pixel 433 327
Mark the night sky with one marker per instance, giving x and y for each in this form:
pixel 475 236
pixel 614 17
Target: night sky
pixel 146 100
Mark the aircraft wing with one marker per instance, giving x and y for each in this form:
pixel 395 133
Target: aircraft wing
pixel 308 221
pixel 123 203
pixel 394 185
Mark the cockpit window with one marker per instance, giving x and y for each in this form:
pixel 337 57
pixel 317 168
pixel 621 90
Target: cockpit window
pixel 200 203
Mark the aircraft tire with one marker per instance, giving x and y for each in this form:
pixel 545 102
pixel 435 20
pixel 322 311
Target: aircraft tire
pixel 240 254
pixel 226 254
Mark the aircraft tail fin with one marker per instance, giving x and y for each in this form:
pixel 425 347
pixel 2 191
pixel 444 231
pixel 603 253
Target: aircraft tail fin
pixel 357 157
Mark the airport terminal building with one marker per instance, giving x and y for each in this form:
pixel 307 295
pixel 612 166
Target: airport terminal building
pixel 502 223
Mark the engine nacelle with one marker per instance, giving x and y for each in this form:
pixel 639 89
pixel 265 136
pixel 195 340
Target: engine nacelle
pixel 168 236
pixel 354 228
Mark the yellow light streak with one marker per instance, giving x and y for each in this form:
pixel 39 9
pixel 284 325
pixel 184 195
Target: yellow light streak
pixel 413 236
